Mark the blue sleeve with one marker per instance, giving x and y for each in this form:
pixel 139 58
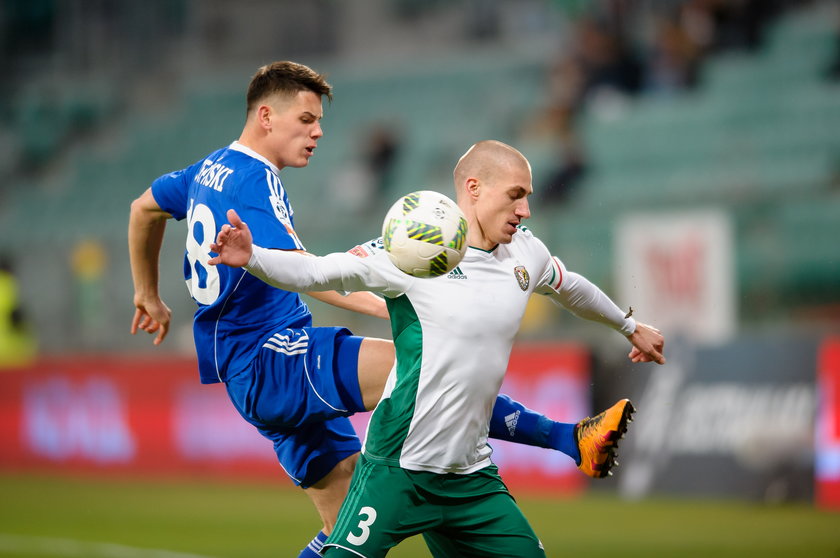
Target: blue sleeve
pixel 264 206
pixel 170 193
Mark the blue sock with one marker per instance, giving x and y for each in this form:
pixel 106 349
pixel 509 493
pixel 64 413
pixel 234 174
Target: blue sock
pixel 313 549
pixel 514 422
pixel 562 438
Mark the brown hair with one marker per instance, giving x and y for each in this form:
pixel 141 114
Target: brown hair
pixel 285 78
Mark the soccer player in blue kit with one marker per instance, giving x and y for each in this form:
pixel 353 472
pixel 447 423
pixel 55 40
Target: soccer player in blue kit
pixel 295 383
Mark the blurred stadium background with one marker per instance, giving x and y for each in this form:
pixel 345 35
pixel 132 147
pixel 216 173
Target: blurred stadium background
pixel 686 158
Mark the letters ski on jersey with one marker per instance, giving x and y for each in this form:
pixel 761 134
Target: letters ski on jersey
pixel 234 308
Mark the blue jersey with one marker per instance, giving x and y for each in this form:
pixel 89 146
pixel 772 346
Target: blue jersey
pixel 235 309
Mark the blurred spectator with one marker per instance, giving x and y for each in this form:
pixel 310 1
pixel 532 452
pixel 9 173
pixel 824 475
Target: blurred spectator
pixel 89 261
pixel 833 70
pixel 562 180
pixel 697 23
pixel 674 59
pixel 362 184
pixel 381 153
pixel 609 62
pixel 26 33
pixel 597 63
pixel 599 69
pixel 483 20
pixel 740 24
pixel 565 88
pixel 17 344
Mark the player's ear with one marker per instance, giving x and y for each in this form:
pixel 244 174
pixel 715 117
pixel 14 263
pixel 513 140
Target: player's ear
pixel 473 187
pixel 264 116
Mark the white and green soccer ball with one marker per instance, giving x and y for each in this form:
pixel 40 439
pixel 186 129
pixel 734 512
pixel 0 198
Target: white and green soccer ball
pixel 425 234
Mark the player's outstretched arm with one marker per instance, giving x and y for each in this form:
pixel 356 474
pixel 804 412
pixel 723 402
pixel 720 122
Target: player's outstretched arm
pixel 292 270
pixel 146 225
pixel 586 300
pixel 235 246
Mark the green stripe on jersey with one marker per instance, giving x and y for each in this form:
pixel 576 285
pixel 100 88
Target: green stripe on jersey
pixel 392 418
pixel 360 477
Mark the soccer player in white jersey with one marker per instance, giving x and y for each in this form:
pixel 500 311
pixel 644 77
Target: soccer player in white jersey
pixel 425 466
pixel 259 340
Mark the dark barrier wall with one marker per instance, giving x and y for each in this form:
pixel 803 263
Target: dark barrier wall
pixel 732 421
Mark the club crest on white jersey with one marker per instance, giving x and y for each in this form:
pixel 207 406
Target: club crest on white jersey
pixel 522 277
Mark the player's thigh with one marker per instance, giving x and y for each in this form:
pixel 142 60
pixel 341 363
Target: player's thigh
pixel 490 526
pixel 300 376
pixel 311 452
pixel 382 508
pixel 376 359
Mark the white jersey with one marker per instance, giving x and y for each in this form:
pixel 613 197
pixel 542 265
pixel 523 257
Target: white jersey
pixel 453 336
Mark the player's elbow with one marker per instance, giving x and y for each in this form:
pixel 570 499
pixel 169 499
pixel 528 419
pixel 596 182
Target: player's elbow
pixel 136 209
pixel 146 208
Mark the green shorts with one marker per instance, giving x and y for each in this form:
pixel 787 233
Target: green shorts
pixel 459 515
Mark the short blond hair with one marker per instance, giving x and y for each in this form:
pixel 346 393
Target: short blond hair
pixel 484 159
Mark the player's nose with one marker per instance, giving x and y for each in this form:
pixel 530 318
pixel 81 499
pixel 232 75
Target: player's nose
pixel 523 210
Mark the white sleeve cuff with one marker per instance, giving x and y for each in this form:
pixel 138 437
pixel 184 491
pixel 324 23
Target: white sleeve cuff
pixel 629 327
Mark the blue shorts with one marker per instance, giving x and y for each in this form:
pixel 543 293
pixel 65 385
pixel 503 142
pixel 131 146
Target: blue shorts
pixel 298 392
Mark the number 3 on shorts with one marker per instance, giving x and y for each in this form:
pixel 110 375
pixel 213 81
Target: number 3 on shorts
pixel 364 525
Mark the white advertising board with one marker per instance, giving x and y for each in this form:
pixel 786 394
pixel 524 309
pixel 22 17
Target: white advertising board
pixel 677 270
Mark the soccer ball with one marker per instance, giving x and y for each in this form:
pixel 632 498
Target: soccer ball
pixel 425 234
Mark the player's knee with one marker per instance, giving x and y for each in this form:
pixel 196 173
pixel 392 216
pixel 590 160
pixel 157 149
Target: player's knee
pixel 345 467
pixel 339 475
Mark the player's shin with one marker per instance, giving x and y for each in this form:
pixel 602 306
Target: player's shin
pixel 514 422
